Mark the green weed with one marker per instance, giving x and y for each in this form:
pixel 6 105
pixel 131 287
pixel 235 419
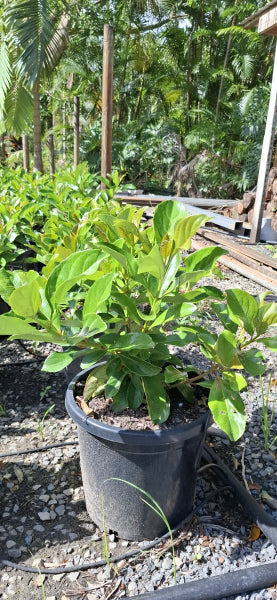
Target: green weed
pixel 151 502
pixel 40 422
pixel 266 412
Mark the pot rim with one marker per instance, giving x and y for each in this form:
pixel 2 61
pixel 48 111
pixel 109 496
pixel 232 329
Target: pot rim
pixel 120 435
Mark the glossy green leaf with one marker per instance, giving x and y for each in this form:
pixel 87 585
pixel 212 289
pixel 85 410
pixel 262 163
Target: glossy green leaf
pixel 157 398
pixel 73 269
pixel 91 357
pixel 127 230
pixel 59 360
pixel 171 374
pixel 252 361
pixel 235 381
pixel 126 302
pixel 203 259
pixel 139 367
pixel 95 382
pixel 92 325
pixel 243 309
pixel 120 400
pixel 166 214
pixel 221 311
pixel 182 338
pixel 123 257
pixel 175 312
pixel 185 229
pixel 269 342
pixel 18 328
pixel 266 317
pixel 170 273
pixel 129 341
pixel 226 346
pixel 25 301
pixel 152 263
pixel 134 392
pixel 227 409
pixel 6 286
pixel 98 293
pixel 113 384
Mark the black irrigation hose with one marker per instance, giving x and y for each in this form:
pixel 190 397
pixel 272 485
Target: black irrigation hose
pixel 265 522
pixel 32 352
pixel 219 586
pixel 39 449
pixel 236 582
pixel 19 362
pixel 112 559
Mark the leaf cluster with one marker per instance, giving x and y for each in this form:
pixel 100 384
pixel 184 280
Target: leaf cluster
pixel 125 298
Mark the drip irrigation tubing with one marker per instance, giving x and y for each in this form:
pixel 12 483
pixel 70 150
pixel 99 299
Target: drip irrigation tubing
pixel 18 362
pixel 218 586
pixel 112 559
pixel 236 582
pixel 39 449
pixel 265 522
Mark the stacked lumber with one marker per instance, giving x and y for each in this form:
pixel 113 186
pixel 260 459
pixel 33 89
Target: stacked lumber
pixel 243 210
pixel 251 263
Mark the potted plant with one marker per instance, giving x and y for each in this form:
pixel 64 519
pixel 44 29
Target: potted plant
pixel 119 306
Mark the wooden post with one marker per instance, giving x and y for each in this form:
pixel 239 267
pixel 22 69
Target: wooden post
pixel 107 102
pixel 266 156
pixel 26 156
pixel 76 131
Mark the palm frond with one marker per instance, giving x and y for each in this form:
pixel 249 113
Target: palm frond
pixel 32 30
pixel 18 109
pixel 244 66
pixel 5 71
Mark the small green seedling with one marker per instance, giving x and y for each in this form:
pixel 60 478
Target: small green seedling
pixel 44 391
pixel 40 422
pixel 267 411
pixel 151 502
pixel 3 408
pixel 272 249
pixel 106 548
pixel 42 584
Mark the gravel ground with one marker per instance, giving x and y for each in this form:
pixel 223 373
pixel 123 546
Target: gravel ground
pixel 44 520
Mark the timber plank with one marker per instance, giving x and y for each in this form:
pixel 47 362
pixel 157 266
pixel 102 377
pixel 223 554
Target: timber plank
pixel 268 282
pixel 240 248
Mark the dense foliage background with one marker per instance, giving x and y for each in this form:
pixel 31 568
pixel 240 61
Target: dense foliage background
pixel 191 89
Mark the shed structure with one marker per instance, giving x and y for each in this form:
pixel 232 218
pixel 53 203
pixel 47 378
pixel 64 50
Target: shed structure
pixel 266 20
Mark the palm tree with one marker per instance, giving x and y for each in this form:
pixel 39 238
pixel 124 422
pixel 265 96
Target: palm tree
pixel 34 43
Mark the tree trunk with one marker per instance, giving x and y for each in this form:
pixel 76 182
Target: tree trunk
pixel 26 157
pixel 50 143
pixel 76 131
pixel 64 133
pixel 122 82
pixel 107 103
pixel 138 103
pixel 226 59
pixel 2 149
pixel 38 166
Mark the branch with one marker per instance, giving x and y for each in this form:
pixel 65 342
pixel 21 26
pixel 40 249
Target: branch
pixel 147 28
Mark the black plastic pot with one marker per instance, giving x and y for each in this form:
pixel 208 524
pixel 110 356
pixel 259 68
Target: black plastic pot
pixel 161 462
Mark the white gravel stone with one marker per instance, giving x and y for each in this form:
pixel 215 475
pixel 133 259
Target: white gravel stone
pixel 44 516
pixel 60 510
pixel 73 576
